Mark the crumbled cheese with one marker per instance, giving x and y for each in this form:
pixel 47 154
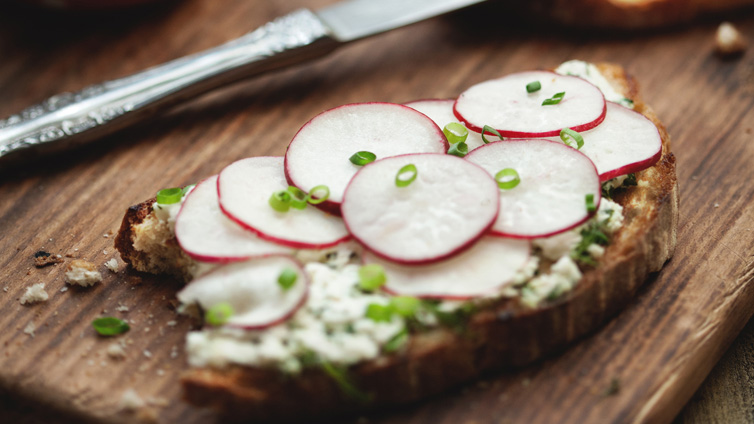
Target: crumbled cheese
pixel 63 289
pixel 130 401
pixel 591 73
pixel 121 308
pixel 30 329
pixel 116 351
pixel 563 276
pixel 595 250
pixel 611 214
pixel 82 273
pixel 147 353
pixel 34 293
pixel 112 265
pixel 729 40
pixel 558 245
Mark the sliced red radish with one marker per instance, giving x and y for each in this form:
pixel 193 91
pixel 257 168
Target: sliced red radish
pixel 441 111
pixel 319 154
pixel 625 142
pixel 448 206
pixel 245 187
pixel 506 105
pixel 551 196
pixel 252 289
pixel 484 269
pixel 207 235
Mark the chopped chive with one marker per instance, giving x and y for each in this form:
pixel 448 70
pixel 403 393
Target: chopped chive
pixel 110 326
pixel 459 149
pixel 507 178
pixel 455 133
pixel 340 376
pixel 554 99
pixel 533 86
pixel 406 175
pixel 570 137
pixel 287 278
pixel 397 341
pixel 404 306
pixel 187 189
pixel 298 198
pixel 280 200
pixel 379 313
pixel 219 314
pixel 590 205
pixel 371 277
pixel 362 158
pixel 168 196
pixel 489 129
pixel 319 194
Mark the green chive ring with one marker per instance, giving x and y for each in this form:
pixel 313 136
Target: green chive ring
pixel 455 133
pixel 318 194
pixel 590 205
pixel 555 99
pixel 570 136
pixel 459 149
pixel 533 86
pixel 362 158
pixel 507 178
pixel 168 196
pixel 489 129
pixel 298 197
pixel 406 175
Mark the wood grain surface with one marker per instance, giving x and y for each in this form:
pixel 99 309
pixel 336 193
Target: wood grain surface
pixel 642 367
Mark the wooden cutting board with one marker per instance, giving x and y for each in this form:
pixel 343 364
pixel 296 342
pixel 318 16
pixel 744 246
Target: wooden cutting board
pixel 642 367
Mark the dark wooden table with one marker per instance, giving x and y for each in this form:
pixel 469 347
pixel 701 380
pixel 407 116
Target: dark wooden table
pixel 659 350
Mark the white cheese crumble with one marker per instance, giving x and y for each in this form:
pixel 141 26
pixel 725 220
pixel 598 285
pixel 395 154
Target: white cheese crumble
pixel 130 401
pixel 591 73
pixel 82 273
pixel 116 351
pixel 30 329
pixel 563 276
pixel 112 265
pixel 33 294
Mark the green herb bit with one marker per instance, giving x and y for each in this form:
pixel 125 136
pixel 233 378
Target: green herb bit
pixel 319 194
pixel 219 314
pixel 287 278
pixel 405 306
pixel 630 180
pixel 371 277
pixel 455 133
pixel 533 86
pixel 590 205
pixel 459 149
pixel 406 175
pixel 591 234
pixel 489 129
pixel 168 196
pixel 341 378
pixel 397 341
pixel 613 388
pixel 571 137
pixel 110 326
pixel 379 313
pixel 554 99
pixel 280 200
pixel 185 190
pixel 507 178
pixel 298 198
pixel 362 158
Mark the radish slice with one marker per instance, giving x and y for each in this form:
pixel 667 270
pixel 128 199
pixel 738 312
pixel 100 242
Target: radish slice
pixel 320 152
pixel 551 197
pixel 482 270
pixel 625 142
pixel 252 289
pixel 207 235
pixel 505 105
pixel 441 111
pixel 245 187
pixel 449 205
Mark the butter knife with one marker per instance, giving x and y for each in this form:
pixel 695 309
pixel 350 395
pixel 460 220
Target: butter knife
pixel 71 119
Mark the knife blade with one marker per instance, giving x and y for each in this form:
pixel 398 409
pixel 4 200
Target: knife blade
pixel 72 119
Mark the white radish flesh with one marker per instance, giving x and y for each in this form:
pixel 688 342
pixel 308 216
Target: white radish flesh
pixel 441 111
pixel 483 269
pixel 251 288
pixel 449 205
pixel 505 104
pixel 207 235
pixel 245 187
pixel 551 196
pixel 625 142
pixel 319 154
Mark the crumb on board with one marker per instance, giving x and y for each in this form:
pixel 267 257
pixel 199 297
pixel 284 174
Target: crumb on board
pixel 130 401
pixel 64 289
pixel 35 293
pixel 729 41
pixel 30 329
pixel 42 259
pixel 112 265
pixel 116 351
pixel 121 308
pixel 82 273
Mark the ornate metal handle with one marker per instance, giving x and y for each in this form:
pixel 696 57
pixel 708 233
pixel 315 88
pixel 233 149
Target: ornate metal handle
pixel 73 118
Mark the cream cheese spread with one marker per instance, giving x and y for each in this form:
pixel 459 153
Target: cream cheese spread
pixel 591 73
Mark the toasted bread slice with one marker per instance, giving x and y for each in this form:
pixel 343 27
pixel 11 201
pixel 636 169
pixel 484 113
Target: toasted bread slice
pixel 504 335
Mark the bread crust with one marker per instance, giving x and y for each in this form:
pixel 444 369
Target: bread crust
pixel 505 335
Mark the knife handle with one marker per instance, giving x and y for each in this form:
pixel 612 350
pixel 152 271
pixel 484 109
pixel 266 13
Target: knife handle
pixel 69 119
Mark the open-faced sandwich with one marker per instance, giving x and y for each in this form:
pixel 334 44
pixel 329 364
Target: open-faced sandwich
pixel 398 250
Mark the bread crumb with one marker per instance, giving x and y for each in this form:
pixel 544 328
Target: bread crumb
pixel 172 323
pixel 106 235
pixel 42 259
pixel 122 308
pixel 82 273
pixel 5 289
pixel 160 372
pixel 30 328
pixel 112 265
pixel 130 401
pixel 717 205
pixel 64 289
pixel 728 40
pixel 116 351
pixel 35 293
pixel 147 353
pixel 158 401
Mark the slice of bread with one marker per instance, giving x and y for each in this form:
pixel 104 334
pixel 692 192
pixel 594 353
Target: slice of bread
pixel 505 334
